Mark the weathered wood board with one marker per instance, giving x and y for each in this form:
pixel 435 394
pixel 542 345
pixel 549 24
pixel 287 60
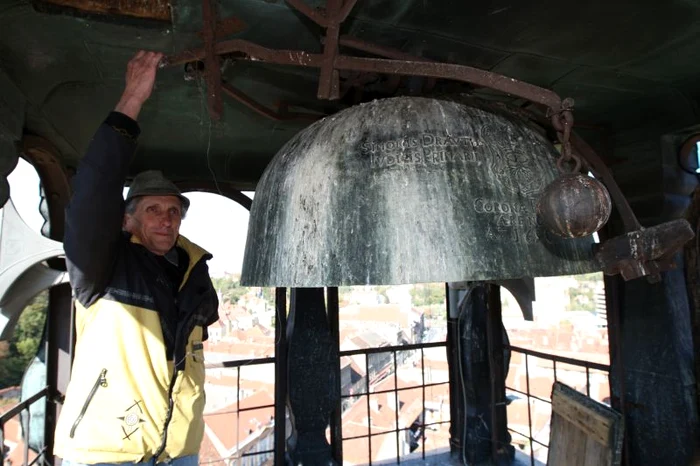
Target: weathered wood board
pixel 583 432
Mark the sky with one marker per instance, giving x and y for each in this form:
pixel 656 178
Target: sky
pixel 215 222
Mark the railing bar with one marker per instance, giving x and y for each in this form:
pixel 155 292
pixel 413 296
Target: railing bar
pixel 239 362
pixel 386 349
pixel 28 422
pixel 529 413
pixel 396 406
pixel 525 436
pixel 15 410
pixel 369 414
pixel 554 366
pixel 422 371
pixel 384 432
pixel 238 409
pixel 400 389
pixel 588 382
pixel 250 408
pixel 531 396
pixel 256 453
pixel 561 359
pixel 39 456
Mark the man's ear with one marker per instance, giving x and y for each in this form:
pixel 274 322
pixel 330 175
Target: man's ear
pixel 127 223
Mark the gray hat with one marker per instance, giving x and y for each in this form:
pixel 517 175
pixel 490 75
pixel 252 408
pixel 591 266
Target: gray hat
pixel 154 183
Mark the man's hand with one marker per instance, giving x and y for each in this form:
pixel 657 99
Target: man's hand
pixel 140 77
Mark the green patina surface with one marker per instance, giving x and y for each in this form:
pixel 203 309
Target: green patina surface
pixel 627 66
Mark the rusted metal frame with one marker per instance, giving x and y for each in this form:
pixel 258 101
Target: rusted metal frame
pixel 260 109
pixel 329 79
pixel 281 368
pixel 462 73
pixel 386 52
pixel 455 72
pixel 225 27
pixel 379 50
pixel 224 189
pixel 348 5
pixel 212 65
pixel 318 16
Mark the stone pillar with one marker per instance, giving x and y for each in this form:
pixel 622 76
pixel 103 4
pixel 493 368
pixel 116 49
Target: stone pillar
pixel 314 371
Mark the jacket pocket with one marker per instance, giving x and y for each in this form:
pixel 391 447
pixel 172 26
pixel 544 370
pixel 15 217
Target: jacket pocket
pixel 100 382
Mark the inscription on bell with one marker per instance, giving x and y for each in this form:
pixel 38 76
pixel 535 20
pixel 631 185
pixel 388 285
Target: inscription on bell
pixel 422 150
pixel 514 221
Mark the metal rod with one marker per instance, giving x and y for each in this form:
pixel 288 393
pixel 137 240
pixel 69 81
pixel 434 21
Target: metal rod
pixel 561 359
pixel 422 370
pixel 455 72
pixel 588 382
pixel 529 410
pixel 461 73
pixel 379 50
pixel 369 413
pixel 329 80
pixel 345 10
pixel 260 109
pixel 554 366
pixel 396 407
pixel 317 16
pixel 281 356
pixel 386 349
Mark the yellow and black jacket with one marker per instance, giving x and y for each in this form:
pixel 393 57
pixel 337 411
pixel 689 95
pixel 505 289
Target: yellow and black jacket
pixel 137 382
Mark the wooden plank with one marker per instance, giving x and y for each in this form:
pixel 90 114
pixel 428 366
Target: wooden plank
pixel 593 424
pixel 583 432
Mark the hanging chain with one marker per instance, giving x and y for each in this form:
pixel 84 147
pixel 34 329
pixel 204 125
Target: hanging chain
pixel 563 121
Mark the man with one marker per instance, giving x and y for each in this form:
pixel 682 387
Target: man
pixel 143 302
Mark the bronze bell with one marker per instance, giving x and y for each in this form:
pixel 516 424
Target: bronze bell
pixel 408 190
pixel 574 206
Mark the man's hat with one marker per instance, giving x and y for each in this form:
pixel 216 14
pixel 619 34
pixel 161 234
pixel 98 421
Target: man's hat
pixel 154 183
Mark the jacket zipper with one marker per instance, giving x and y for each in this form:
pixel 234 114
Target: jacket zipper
pixel 168 416
pixel 100 382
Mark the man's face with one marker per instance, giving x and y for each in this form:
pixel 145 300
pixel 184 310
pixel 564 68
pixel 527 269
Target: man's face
pixel 156 222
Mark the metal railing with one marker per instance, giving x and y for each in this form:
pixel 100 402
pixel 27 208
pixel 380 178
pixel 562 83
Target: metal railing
pixel 238 364
pixel 422 425
pixel 24 431
pixel 587 365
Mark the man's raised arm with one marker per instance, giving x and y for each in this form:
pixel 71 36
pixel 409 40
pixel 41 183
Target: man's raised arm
pixel 95 213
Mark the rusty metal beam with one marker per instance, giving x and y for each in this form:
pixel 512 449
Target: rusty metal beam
pixel 226 27
pixel 329 80
pixel 158 10
pixel 212 66
pixel 260 109
pixel 379 50
pixel 348 5
pixel 252 51
pixel 455 72
pixel 317 16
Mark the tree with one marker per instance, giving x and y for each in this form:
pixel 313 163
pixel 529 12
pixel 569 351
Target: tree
pixel 25 341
